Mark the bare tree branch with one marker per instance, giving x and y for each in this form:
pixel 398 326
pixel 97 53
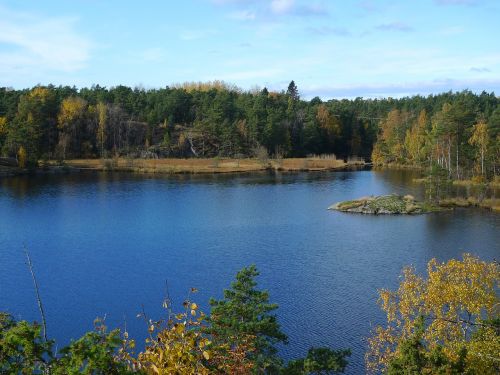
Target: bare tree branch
pixel 37 291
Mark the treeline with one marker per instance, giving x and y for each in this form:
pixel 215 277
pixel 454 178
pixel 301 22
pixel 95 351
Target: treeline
pixel 199 120
pixel 459 135
pixel 216 119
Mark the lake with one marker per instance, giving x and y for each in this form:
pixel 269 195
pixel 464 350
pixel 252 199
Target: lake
pixel 105 244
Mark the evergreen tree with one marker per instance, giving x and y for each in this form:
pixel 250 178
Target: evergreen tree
pixel 245 311
pixel 293 91
pixel 216 119
pixel 319 361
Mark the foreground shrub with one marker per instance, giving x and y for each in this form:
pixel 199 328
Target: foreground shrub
pixel 97 352
pixel 22 348
pixel 319 361
pixel 445 323
pixel 239 337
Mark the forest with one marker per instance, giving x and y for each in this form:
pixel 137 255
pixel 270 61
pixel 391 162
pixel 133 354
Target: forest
pixel 458 132
pixel 460 136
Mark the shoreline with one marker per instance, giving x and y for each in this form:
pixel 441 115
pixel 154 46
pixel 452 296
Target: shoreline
pixel 185 166
pixel 399 166
pixel 494 184
pixel 12 171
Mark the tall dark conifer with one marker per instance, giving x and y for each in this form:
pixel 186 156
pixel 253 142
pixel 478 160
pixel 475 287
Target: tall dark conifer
pixel 293 91
pixel 245 311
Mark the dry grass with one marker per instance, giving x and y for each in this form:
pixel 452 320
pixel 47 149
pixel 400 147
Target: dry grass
pixel 490 203
pixel 308 164
pixel 495 183
pixel 455 202
pixel 422 180
pixel 493 204
pixel 468 183
pixel 492 184
pixel 399 166
pixel 215 165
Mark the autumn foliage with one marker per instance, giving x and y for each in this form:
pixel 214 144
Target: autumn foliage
pixel 445 323
pixel 238 338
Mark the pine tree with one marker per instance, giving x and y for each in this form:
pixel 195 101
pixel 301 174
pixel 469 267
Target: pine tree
pixel 293 91
pixel 319 361
pixel 245 311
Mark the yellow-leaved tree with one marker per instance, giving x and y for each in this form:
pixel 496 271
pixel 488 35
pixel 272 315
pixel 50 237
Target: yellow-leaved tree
pixel 70 122
pixel 389 147
pixel 415 139
pixel 3 130
pixel 448 322
pixel 102 117
pixel 181 344
pixel 21 157
pixel 178 345
pixel 3 125
pixel 480 139
pixel 328 123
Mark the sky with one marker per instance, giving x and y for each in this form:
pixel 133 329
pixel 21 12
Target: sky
pixel 330 48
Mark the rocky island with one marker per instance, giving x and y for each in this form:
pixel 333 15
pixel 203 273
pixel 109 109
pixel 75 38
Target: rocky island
pixel 386 205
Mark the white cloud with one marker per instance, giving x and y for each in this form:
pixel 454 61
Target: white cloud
pixel 281 6
pixel 480 69
pixel 289 7
pixel 37 44
pixel 270 10
pixel 394 26
pixel 380 90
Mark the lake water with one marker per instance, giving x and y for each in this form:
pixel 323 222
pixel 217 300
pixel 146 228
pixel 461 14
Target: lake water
pixel 104 244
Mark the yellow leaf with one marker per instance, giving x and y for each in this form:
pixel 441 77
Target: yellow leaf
pixel 179 328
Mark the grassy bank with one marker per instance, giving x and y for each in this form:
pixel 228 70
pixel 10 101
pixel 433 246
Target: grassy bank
pixel 495 184
pixel 492 184
pixel 473 193
pixel 398 166
pixel 215 165
pixel 489 203
pixel 477 200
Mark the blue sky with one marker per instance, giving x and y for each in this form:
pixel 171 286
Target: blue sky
pixel 332 49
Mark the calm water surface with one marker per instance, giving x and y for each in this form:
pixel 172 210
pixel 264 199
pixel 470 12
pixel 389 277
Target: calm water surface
pixel 104 244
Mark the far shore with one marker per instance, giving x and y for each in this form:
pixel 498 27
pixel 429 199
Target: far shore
pixel 214 165
pixel 199 165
